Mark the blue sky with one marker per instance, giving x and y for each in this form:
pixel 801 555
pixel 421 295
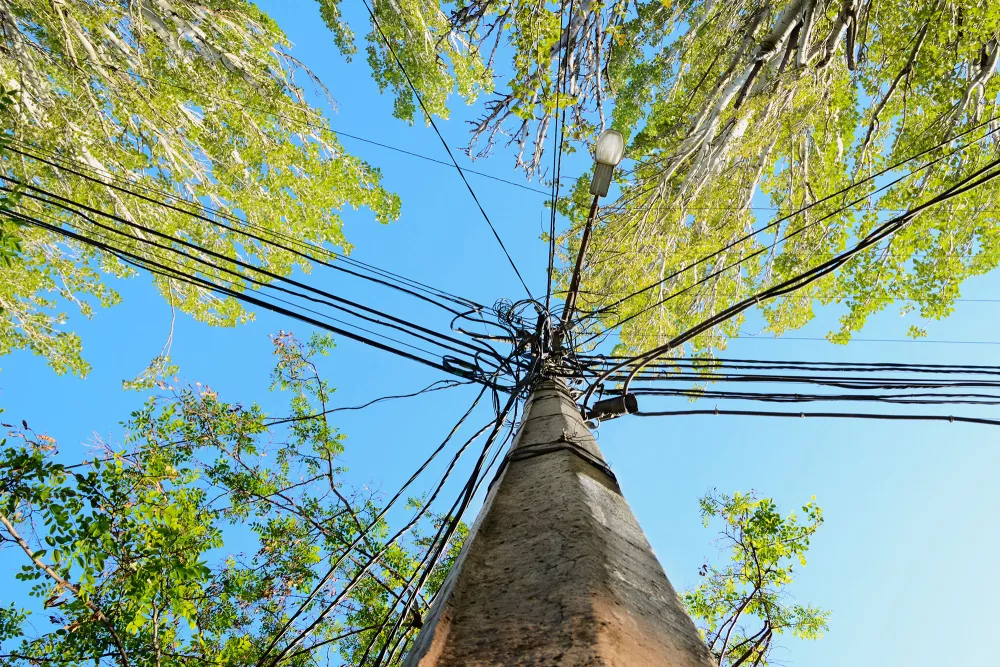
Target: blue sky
pixel 905 559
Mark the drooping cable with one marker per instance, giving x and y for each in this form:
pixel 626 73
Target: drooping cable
pixel 321 296
pixel 976 179
pixel 256 232
pixel 557 140
pixel 176 274
pixel 803 209
pixel 824 415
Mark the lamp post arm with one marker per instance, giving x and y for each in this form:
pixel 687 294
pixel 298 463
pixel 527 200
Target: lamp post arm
pixel 574 284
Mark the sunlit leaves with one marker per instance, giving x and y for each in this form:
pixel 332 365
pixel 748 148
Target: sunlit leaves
pixel 741 606
pixel 202 533
pixel 814 120
pixel 196 99
pixel 437 61
pixel 738 114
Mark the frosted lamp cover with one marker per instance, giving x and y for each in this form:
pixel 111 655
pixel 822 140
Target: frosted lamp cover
pixel 610 147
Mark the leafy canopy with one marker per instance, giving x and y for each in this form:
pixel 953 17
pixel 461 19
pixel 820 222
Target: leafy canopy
pixel 202 534
pixel 738 113
pixel 199 99
pixel 742 606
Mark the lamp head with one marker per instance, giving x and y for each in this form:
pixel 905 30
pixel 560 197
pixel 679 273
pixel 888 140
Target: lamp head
pixel 610 148
pixel 608 153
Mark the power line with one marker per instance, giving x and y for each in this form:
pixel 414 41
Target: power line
pixel 434 386
pixel 925 398
pixel 423 509
pixel 853 339
pixel 236 289
pixel 292 241
pixel 795 213
pixel 335 301
pixel 444 143
pixel 441 162
pixel 557 141
pixel 966 184
pixel 264 271
pixel 712 364
pixel 156 267
pixel 822 415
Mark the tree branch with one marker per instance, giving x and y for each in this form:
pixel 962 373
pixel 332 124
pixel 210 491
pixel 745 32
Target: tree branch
pixel 65 583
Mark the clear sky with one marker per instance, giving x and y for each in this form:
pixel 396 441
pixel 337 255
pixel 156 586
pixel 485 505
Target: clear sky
pixel 906 558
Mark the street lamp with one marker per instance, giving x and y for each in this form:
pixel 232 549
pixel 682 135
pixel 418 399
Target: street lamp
pixel 607 154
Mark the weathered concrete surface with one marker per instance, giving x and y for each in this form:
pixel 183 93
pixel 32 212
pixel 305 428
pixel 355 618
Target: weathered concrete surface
pixel 556 571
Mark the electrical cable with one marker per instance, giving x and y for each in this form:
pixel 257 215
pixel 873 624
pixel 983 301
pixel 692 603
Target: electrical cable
pixel 362 534
pixel 821 415
pixel 256 237
pixel 457 511
pixel 976 179
pixel 205 284
pixel 806 208
pixel 557 140
pixel 730 362
pixel 434 386
pixel 881 232
pixel 430 119
pixel 925 398
pixel 259 283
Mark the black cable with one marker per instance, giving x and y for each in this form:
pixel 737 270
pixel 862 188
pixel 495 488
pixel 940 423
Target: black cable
pixel 420 512
pixel 434 386
pixel 977 178
pixel 731 362
pixel 444 143
pixel 260 239
pixel 801 210
pixel 718 272
pixel 499 419
pixel 924 398
pixel 437 544
pixel 821 415
pixel 456 513
pixel 823 381
pixel 557 140
pixel 206 284
pixel 363 534
pixel 882 231
pixel 399 323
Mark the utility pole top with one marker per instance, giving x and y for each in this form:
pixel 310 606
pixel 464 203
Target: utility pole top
pixel 556 570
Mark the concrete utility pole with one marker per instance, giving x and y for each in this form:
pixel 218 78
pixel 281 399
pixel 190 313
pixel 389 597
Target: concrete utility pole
pixel 556 570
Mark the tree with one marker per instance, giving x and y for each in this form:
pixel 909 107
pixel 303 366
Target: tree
pixel 212 534
pixel 217 534
pixel 202 101
pixel 798 101
pixel 730 106
pixel 750 590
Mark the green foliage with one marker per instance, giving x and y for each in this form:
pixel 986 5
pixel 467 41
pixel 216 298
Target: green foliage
pixel 742 606
pixel 438 61
pixel 198 99
pixel 10 239
pixel 11 619
pixel 201 536
pixel 730 106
